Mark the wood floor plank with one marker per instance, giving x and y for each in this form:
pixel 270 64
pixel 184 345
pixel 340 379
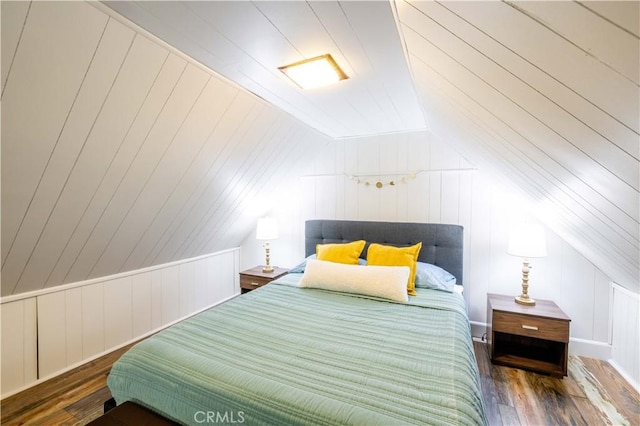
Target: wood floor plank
pixel 86 406
pixel 622 395
pixel 599 396
pixel 558 406
pixel 530 410
pixel 490 401
pixel 571 386
pixel 590 415
pixel 509 415
pixel 511 396
pixel 58 392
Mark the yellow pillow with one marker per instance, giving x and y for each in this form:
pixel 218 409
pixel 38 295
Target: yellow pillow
pixel 381 255
pixel 340 253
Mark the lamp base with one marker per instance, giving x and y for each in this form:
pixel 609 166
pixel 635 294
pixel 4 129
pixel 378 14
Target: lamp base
pixel 525 300
pixel 268 269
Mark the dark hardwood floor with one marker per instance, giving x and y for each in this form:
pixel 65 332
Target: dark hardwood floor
pixel 593 394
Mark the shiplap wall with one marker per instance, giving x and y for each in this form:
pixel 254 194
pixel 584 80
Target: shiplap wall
pixel 119 152
pixel 625 337
pixel 247 41
pixel 485 206
pixel 47 333
pixel 545 93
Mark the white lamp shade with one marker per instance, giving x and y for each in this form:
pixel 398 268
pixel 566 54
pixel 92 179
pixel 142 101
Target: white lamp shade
pixel 527 240
pixel 267 229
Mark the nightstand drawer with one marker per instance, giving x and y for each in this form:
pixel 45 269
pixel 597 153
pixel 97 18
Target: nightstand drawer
pixel 530 326
pixel 251 282
pixel 256 277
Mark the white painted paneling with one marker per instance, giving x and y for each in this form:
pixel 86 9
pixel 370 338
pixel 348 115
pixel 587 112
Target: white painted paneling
pixel 622 14
pixel 90 234
pixel 247 42
pixel 73 326
pixel 156 299
pixel 200 285
pixel 19 344
pixel 119 152
pixel 608 43
pixel 118 312
pixel 55 50
pixel 170 294
pixel 550 50
pixel 123 230
pixel 187 288
pixel 93 324
pixel 626 333
pixel 601 308
pixel 14 15
pixel 541 94
pixel 84 320
pixel 64 171
pixel 141 300
pixel 52 334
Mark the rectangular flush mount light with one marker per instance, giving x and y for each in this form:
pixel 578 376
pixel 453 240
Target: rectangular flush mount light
pixel 315 72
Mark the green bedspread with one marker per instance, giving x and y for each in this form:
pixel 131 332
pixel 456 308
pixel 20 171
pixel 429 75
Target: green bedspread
pixel 284 355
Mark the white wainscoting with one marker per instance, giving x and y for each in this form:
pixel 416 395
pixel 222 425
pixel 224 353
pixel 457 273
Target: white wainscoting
pixel 47 332
pixel 19 344
pixel 626 334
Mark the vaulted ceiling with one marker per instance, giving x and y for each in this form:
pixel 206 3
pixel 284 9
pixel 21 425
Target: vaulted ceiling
pixel 545 93
pixel 102 123
pixel 247 41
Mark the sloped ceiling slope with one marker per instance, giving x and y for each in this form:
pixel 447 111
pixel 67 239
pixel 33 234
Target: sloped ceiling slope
pixel 120 153
pixel 546 93
pixel 247 41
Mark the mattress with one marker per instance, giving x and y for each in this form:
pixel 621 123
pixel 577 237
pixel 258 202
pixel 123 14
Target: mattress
pixel 288 355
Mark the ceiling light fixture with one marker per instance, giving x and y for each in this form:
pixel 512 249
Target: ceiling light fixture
pixel 314 72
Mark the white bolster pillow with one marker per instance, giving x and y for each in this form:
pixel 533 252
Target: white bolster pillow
pixel 387 282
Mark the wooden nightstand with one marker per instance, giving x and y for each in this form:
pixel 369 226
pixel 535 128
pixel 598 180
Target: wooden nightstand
pixel 254 277
pixel 533 338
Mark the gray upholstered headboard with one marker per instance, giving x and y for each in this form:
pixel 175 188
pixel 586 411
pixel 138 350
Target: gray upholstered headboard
pixel 441 244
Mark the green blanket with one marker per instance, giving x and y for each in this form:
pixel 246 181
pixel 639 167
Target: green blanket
pixel 283 355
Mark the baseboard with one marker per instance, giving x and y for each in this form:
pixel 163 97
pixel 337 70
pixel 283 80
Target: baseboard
pixel 478 330
pixel 590 349
pixel 581 347
pixel 626 376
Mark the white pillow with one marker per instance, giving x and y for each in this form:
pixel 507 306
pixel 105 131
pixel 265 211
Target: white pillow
pixel 387 282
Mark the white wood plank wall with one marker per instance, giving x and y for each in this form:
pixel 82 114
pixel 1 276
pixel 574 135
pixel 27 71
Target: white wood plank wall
pixel 626 334
pixel 120 153
pixel 447 191
pixel 558 116
pixel 44 335
pixel 19 361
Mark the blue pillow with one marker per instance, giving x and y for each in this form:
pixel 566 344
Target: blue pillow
pixel 434 277
pixel 299 268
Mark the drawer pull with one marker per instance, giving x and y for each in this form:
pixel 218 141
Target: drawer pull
pixel 252 283
pixel 529 327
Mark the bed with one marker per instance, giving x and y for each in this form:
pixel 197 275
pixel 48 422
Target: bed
pixel 283 354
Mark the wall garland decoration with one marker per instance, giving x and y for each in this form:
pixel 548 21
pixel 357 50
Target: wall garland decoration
pixel 364 180
pixel 391 179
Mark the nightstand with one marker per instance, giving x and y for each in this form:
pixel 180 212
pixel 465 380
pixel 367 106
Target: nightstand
pixel 254 277
pixel 533 338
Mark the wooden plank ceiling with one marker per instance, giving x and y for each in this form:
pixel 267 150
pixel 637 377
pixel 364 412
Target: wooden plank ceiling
pixel 247 41
pixel 119 152
pixel 546 94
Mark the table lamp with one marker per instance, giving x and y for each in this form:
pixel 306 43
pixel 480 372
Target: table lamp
pixel 527 240
pixel 267 230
